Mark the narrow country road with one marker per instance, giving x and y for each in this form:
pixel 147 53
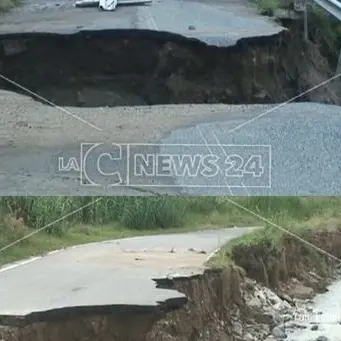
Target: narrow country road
pixel 102 275
pixel 217 22
pixel 299 146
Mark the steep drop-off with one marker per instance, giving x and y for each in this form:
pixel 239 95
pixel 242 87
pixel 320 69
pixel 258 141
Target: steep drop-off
pixel 103 69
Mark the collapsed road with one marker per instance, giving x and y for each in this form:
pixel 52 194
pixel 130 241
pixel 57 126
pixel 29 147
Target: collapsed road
pixel 107 276
pixel 194 78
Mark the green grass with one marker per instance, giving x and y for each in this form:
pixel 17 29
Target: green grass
pixel 119 217
pixel 107 218
pixel 297 215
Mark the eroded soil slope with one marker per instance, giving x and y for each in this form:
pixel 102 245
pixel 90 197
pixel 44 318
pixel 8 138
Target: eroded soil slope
pixel 97 69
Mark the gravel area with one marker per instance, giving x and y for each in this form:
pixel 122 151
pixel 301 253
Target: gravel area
pixel 303 140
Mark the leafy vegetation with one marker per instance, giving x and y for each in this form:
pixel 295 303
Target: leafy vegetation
pixel 325 31
pixel 283 247
pixel 57 222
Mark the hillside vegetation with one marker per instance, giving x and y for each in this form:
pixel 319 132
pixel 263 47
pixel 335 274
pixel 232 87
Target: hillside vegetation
pixel 56 222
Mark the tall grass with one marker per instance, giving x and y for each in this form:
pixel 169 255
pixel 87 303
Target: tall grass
pixel 131 212
pixel 117 217
pixel 159 212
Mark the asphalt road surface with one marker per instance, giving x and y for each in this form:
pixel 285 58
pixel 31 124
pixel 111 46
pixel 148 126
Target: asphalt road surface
pixel 215 22
pixel 298 147
pixel 106 274
pixel 290 150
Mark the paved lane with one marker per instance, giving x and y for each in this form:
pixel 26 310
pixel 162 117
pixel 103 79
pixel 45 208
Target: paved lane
pixel 303 139
pixel 303 156
pixel 118 272
pixel 215 22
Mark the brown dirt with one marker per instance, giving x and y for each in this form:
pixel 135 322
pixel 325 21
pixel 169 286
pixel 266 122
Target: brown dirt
pixel 256 70
pixel 213 298
pixel 276 266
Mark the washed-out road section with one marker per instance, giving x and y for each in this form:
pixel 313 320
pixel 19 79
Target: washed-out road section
pixel 107 274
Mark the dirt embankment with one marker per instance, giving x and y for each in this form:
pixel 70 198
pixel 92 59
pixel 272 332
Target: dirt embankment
pixel 274 264
pixel 255 299
pixel 96 69
pixel 223 305
pixel 259 298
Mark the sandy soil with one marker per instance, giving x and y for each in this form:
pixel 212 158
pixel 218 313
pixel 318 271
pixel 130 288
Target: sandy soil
pixel 34 135
pixel 28 123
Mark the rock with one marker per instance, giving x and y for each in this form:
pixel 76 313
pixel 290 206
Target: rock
pixel 265 318
pixel 302 291
pixel 237 328
pixel 270 338
pixel 283 307
pixel 314 327
pixel 279 333
pixel 254 302
pixel 322 338
pixel 287 317
pixel 248 337
pixel 315 275
pixel 22 124
pixel 285 297
pixel 225 337
pixel 264 329
pixel 294 325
